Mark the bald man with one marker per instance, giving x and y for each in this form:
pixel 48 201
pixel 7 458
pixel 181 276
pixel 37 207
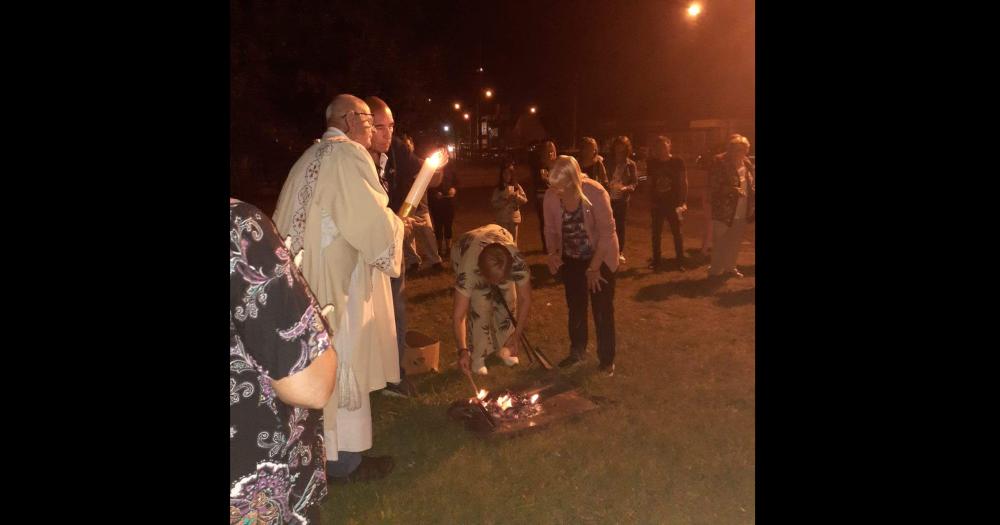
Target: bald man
pixel 332 208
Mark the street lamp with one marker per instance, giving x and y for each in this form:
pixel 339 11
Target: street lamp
pixel 469 137
pixel 694 10
pixel 458 106
pixel 489 95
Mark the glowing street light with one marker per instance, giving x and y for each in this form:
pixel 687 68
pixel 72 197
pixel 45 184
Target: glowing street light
pixel 458 106
pixel 465 116
pixel 489 93
pixel 694 10
pixel 446 128
pixel 533 110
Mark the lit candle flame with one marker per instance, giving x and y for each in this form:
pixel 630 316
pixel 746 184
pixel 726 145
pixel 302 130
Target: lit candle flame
pixel 435 159
pixel 419 186
pixel 534 398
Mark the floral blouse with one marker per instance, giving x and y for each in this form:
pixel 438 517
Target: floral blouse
pixel 277 460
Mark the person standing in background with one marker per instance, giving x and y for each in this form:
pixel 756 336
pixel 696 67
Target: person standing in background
pixel 668 187
pixel 508 197
pixel 621 183
pixel 542 160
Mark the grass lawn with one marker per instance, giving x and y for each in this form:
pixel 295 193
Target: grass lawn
pixel 675 444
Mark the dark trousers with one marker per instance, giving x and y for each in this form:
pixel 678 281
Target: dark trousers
pixel 443 215
pixel 314 515
pixel 619 208
pixel 661 211
pixel 539 199
pixel 398 285
pixel 574 274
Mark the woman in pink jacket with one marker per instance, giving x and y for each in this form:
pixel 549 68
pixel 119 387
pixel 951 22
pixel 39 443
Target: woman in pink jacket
pixel 581 241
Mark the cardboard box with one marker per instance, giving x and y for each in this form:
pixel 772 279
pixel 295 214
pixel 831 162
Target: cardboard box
pixel 422 353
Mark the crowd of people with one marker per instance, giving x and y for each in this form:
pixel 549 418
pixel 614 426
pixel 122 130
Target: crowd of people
pixel 317 310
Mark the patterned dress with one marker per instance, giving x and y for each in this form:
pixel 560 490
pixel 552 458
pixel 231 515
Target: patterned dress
pixel 488 326
pixel 276 455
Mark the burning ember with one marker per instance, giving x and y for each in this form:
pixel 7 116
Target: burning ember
pixel 509 406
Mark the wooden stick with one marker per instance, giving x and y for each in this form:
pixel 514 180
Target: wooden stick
pixel 539 356
pixel 475 389
pixel 479 405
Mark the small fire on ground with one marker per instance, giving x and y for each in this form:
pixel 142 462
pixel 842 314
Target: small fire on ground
pixel 509 406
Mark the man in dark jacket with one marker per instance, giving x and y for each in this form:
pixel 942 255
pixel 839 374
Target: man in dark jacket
pixel 397 167
pixel 668 187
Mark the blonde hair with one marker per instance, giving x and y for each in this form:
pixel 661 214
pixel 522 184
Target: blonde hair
pixel 736 138
pixel 566 168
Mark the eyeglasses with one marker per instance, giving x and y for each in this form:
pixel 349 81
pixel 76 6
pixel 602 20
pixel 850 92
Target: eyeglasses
pixel 370 119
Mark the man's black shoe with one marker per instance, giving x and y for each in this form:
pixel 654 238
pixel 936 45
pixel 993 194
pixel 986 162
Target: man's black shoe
pixel 573 359
pixel 396 389
pixel 370 469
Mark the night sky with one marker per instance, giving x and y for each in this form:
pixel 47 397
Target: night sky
pixel 624 60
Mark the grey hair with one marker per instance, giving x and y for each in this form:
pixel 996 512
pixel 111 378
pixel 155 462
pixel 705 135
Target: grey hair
pixel 341 104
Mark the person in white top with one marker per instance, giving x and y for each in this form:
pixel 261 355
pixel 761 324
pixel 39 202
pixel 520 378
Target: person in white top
pixel 733 191
pixel 333 211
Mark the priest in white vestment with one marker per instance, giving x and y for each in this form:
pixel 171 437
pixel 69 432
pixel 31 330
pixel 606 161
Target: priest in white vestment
pixel 333 208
